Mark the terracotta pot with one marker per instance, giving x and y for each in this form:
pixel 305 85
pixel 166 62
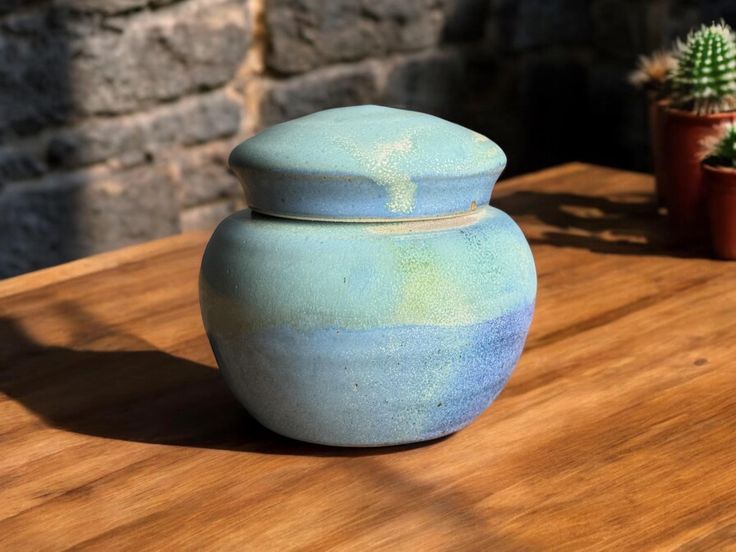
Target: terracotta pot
pixel 720 186
pixel 657 114
pixel 683 178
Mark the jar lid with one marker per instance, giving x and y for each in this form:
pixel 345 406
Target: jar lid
pixel 367 163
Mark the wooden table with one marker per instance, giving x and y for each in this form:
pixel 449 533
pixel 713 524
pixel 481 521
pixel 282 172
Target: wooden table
pixel 616 432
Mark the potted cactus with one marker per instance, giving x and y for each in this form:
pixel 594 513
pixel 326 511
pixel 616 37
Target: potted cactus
pixel 719 172
pixel 651 75
pixel 703 97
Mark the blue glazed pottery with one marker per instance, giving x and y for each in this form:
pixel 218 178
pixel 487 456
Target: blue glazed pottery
pixel 369 296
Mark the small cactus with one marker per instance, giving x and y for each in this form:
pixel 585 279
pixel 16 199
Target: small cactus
pixel 720 149
pixel 705 78
pixel 653 71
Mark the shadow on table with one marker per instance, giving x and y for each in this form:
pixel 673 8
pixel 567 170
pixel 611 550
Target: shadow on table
pixel 145 396
pixel 148 396
pixel 625 224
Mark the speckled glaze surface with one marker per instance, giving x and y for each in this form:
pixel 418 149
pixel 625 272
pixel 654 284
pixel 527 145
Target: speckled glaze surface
pixel 367 333
pixel 366 163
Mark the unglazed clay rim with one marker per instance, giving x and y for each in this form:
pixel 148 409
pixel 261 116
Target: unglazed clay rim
pixel 719 169
pixel 473 208
pixel 695 117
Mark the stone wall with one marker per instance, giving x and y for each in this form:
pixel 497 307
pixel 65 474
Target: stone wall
pixel 116 116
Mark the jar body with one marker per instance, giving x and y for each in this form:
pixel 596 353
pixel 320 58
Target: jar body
pixel 367 334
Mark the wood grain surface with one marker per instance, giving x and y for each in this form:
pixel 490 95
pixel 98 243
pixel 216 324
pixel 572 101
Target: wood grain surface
pixel 616 432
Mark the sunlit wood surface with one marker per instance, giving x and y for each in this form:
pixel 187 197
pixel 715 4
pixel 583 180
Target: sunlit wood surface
pixel 616 432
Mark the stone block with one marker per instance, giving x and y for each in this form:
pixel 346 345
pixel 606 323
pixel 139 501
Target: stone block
pixel 61 218
pixel 135 61
pixel 19 164
pixel 110 7
pixel 37 226
pixel 202 175
pixel 35 89
pixel 305 34
pixel 134 138
pixel 336 86
pixel 56 66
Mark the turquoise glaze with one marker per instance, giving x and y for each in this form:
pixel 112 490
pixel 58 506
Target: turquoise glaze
pixel 376 332
pixel 367 162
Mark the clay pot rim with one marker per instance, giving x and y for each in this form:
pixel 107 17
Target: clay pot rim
pixel 662 102
pixel 683 114
pixel 718 169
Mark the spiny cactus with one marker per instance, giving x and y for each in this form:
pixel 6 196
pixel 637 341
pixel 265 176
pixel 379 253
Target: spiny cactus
pixel 653 71
pixel 705 78
pixel 720 149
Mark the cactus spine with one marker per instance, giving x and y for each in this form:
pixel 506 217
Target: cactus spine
pixel 720 149
pixel 705 78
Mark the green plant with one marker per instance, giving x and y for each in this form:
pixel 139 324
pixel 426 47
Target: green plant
pixel 719 150
pixel 652 72
pixel 705 78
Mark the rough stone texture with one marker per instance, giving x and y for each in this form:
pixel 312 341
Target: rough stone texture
pixel 305 34
pixel 110 7
pixel 117 116
pixel 35 90
pixel 136 61
pixel 125 140
pixel 20 163
pixel 60 219
pixel 38 228
pixel 54 68
pixel 122 86
pixel 192 120
pixel 336 86
pixel 428 81
pixel 202 176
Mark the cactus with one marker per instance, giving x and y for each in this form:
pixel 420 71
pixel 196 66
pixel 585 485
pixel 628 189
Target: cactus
pixel 653 71
pixel 720 149
pixel 705 78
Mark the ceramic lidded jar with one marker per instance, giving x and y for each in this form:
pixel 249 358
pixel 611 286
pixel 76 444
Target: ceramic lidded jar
pixel 370 295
